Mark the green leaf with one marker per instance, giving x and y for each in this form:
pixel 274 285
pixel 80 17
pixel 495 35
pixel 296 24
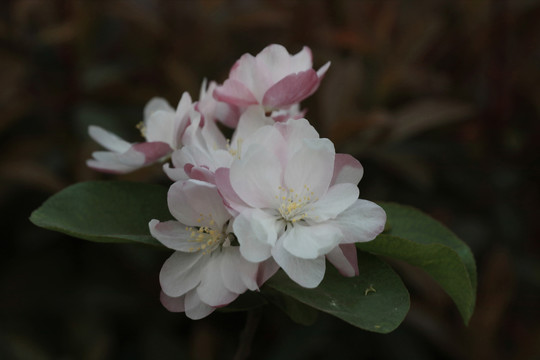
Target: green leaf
pixel 105 211
pixel 418 239
pixel 376 300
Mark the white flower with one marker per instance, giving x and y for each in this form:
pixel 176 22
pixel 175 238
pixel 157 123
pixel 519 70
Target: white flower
pixel 297 201
pixel 162 129
pixel 274 79
pixel 207 150
pixel 206 271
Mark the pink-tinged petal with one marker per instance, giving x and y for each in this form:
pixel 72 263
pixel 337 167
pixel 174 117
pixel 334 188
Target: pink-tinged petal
pixel 310 169
pixel 361 222
pixel 197 203
pixel 235 93
pixel 256 177
pixel 237 273
pixel 312 241
pixel 336 200
pixel 108 140
pixel 343 257
pixel 256 231
pixel 347 170
pixel 291 89
pixel 202 174
pixel 243 70
pixel 172 234
pixel 173 304
pixel 212 291
pixel 195 308
pixel 227 114
pixel 292 112
pixel 267 269
pixel 156 104
pixel 153 151
pixel 181 272
pixel 305 272
pixel 213 110
pixel 230 197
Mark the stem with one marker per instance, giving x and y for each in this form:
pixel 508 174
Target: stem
pixel 248 333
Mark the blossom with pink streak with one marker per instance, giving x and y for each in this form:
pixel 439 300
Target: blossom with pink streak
pixel 206 271
pixel 297 202
pixel 162 129
pixel 273 78
pixel 205 149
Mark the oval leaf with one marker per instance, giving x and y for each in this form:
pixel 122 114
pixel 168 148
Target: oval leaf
pixel 105 211
pixel 419 240
pixel 376 300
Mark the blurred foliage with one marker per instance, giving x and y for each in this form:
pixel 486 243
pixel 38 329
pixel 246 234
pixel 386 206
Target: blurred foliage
pixel 440 100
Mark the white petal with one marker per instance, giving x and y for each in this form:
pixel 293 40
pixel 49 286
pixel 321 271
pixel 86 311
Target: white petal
pixel 237 273
pixel 173 304
pixel 256 177
pixel 212 290
pixel 113 162
pixel 295 131
pixel 197 203
pixel 172 234
pixel 347 267
pixel 305 272
pixel 113 168
pixel 174 173
pixel 338 198
pixel 266 270
pixel 363 221
pixel 266 137
pixel 310 168
pixel 347 170
pixel 181 272
pixel 195 308
pixel 213 137
pixel 107 139
pixel 160 127
pixel 252 119
pixel 256 232
pixel 302 60
pixel 156 104
pixel 311 241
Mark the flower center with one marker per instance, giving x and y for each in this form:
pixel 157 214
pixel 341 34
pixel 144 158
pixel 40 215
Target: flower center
pixel 235 152
pixel 206 238
pixel 293 203
pixel 142 128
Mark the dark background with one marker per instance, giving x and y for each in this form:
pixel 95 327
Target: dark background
pixel 438 99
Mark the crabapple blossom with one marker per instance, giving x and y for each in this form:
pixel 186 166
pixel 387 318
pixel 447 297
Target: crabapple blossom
pixel 297 202
pixel 162 128
pixel 273 78
pixel 206 271
pixel 206 149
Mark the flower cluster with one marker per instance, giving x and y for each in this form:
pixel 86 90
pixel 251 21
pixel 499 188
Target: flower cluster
pixel 274 195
